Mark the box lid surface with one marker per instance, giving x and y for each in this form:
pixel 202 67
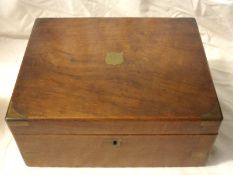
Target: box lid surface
pixel 115 68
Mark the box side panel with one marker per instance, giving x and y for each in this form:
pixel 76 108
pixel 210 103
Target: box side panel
pixel 114 150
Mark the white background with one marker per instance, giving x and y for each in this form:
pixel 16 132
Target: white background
pixel 215 22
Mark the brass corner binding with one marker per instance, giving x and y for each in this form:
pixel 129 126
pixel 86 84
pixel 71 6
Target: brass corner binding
pixel 214 112
pixel 12 113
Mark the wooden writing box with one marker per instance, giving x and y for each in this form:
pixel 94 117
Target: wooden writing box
pixel 114 92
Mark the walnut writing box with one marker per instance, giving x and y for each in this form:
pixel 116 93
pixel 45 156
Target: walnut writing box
pixel 114 92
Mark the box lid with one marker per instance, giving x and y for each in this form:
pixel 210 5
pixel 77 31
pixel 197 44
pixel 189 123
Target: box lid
pixel 118 69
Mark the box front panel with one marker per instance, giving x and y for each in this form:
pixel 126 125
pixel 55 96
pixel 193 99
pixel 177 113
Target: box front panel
pixel 115 150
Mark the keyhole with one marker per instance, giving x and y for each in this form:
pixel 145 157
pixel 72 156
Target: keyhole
pixel 115 143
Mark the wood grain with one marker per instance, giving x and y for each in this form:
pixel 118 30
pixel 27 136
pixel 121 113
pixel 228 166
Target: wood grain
pixel 99 150
pixel 164 74
pixel 142 84
pixel 113 127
